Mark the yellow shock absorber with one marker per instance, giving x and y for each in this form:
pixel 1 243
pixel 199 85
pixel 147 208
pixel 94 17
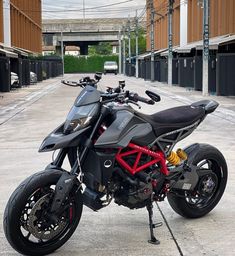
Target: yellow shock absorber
pixel 173 158
pixel 182 154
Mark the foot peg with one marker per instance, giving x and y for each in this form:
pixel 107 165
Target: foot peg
pixel 157 225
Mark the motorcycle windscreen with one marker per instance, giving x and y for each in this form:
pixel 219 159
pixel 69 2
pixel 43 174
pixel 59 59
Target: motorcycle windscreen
pixel 87 96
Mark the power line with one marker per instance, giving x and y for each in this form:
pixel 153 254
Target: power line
pixel 76 10
pixel 90 8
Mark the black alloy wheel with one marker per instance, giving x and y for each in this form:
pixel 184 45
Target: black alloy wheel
pixel 210 188
pixel 29 226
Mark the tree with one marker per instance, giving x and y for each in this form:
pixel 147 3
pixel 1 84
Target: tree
pixel 142 42
pixel 103 48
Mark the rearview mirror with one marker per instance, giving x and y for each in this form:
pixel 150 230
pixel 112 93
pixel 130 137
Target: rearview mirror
pixel 155 97
pixel 122 84
pixel 98 76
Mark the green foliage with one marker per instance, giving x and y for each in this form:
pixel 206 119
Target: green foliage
pixel 103 48
pixel 141 42
pixel 86 64
pixel 46 57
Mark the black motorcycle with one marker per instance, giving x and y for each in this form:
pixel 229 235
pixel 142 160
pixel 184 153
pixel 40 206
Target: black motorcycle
pixel 117 153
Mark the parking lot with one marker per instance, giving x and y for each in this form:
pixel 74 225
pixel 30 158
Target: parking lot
pixel 34 112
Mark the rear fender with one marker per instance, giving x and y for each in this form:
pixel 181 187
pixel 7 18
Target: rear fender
pixel 191 152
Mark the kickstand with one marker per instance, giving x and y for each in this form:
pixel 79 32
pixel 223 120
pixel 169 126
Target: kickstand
pixel 153 239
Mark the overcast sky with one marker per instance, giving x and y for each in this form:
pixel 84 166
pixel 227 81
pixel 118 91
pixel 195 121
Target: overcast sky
pixel 73 9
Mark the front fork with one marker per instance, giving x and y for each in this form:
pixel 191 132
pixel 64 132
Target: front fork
pixel 69 179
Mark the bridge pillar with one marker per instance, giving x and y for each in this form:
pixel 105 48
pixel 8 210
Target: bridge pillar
pixel 84 50
pixel 58 50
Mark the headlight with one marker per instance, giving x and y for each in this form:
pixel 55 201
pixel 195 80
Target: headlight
pixel 79 123
pixel 80 117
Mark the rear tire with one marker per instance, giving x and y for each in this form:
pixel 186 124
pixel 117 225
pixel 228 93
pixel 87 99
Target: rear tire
pixel 17 216
pixel 195 207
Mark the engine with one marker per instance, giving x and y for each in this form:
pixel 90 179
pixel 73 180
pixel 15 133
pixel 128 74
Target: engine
pixel 133 192
pixel 130 192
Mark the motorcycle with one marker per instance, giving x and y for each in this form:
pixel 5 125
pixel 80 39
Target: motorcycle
pixel 116 153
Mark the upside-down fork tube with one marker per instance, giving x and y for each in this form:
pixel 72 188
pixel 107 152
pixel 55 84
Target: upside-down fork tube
pixel 158 157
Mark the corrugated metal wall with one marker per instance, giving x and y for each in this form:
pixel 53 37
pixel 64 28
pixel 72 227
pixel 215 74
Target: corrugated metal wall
pixel 1 22
pixel 161 24
pixel 222 18
pixel 26 31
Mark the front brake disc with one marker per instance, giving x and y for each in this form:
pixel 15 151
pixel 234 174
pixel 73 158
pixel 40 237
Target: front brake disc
pixel 37 222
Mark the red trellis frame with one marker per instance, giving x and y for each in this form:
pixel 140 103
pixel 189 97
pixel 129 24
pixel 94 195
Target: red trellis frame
pixel 158 157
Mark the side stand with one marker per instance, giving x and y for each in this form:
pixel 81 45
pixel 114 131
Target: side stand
pixel 153 239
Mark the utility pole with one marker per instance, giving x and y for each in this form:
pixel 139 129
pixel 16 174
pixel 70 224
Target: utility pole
pixel 62 51
pixel 83 7
pixel 152 12
pixel 136 45
pixel 6 5
pixel 129 39
pixel 120 51
pixel 205 47
pixel 170 44
pixel 124 50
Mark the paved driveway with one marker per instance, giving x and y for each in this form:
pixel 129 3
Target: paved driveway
pixel 116 230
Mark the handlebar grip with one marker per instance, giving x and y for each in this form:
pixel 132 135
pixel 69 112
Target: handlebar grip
pixel 70 83
pixel 109 96
pixel 136 97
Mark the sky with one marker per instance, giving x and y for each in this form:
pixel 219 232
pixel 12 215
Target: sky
pixel 73 9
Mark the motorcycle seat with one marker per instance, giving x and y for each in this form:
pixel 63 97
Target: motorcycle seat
pixel 174 118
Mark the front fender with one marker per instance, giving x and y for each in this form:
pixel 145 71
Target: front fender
pixel 57 139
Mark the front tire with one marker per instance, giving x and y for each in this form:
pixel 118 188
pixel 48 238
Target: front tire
pixel 26 216
pixel 205 197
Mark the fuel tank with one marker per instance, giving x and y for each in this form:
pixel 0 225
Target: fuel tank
pixel 125 128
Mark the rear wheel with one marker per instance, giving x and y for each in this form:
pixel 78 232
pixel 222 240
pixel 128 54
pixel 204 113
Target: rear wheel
pixel 210 188
pixel 29 226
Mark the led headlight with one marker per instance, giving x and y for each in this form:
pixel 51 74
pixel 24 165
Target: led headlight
pixel 79 123
pixel 80 117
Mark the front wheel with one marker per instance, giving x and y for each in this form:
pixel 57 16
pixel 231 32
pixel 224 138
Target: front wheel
pixel 29 226
pixel 210 188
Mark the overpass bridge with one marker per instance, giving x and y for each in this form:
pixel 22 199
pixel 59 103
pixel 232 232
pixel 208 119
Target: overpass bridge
pixel 82 33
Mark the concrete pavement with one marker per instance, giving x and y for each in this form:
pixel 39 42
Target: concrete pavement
pixel 117 230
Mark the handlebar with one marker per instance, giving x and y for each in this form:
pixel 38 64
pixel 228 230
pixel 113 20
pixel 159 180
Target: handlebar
pixel 70 83
pixel 80 83
pixel 136 98
pixel 125 96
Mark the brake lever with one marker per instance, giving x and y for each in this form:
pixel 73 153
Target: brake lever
pixel 133 102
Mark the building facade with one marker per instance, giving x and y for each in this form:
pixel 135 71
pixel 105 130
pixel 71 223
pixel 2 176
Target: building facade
pixel 20 43
pixel 1 21
pixel 20 24
pixel 188 21
pixel 161 23
pixel 222 18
